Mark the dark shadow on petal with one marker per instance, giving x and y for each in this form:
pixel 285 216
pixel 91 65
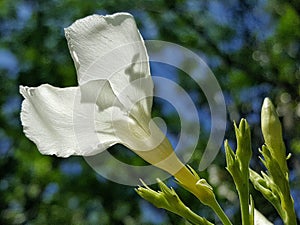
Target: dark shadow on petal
pixel 135 70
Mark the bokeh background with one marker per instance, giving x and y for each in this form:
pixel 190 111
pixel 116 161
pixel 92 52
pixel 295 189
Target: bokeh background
pixel 252 48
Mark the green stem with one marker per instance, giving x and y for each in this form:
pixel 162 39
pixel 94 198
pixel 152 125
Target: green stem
pixel 194 218
pixel 203 191
pixel 290 216
pixel 220 213
pixel 243 192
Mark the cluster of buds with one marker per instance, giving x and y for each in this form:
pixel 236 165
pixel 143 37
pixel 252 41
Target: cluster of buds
pixel 274 185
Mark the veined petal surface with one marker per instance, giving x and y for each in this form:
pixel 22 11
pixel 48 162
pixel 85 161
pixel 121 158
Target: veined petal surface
pixel 47 119
pixel 55 120
pixel 111 48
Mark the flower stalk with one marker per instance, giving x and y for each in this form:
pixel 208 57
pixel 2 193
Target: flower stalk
pixel 190 180
pixel 238 167
pixel 275 184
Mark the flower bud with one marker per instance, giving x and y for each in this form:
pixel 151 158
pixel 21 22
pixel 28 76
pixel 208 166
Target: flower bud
pixel 272 133
pixel 168 199
pixel 243 137
pixel 208 196
pixel 232 162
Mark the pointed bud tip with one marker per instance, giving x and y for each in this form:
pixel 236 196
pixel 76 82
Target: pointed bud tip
pixel 243 125
pixel 243 121
pixel 268 112
pixel 267 103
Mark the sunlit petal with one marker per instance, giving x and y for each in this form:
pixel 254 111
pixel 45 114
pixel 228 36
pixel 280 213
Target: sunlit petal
pixel 111 48
pixel 99 92
pixel 55 120
pixel 47 119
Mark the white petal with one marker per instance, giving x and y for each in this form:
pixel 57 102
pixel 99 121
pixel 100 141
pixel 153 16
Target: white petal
pixel 111 48
pixel 99 92
pixel 259 219
pixel 95 36
pixel 146 140
pixel 58 124
pixel 137 99
pixel 130 124
pixel 46 117
pixel 136 135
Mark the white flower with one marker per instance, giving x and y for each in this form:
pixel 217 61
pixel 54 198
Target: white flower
pixel 112 103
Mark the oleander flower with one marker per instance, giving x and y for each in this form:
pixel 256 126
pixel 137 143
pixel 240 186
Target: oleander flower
pixel 112 103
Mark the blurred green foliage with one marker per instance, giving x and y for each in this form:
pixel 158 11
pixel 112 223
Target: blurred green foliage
pixel 252 47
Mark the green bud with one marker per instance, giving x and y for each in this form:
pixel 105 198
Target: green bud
pixel 208 196
pixel 262 185
pixel 265 185
pixel 156 198
pixel 273 166
pixel 233 165
pixel 230 156
pixel 171 197
pixel 243 137
pixel 272 133
pixel 168 199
